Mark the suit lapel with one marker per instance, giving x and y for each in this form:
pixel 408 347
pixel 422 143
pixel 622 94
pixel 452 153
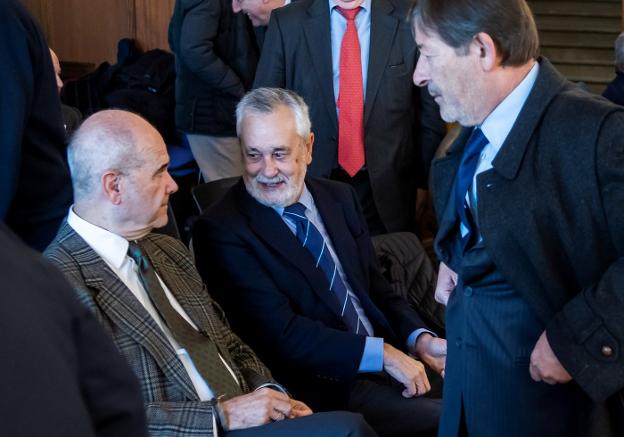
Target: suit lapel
pixel 269 227
pixel 317 33
pixel 548 84
pixel 127 313
pixel 383 30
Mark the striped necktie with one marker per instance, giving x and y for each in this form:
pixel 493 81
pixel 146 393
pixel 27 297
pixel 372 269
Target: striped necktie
pixel 314 242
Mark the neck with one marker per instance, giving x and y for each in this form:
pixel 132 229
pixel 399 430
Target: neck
pixel 502 83
pixel 105 219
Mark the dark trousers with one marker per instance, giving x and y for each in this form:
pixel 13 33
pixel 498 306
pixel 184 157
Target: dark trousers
pixel 361 183
pixel 378 398
pixel 329 424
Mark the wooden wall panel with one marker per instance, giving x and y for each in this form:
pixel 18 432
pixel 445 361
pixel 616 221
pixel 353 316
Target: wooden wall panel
pixel 88 30
pixel 152 22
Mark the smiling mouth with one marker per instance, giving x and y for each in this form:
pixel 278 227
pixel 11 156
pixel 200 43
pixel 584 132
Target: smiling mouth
pixel 271 185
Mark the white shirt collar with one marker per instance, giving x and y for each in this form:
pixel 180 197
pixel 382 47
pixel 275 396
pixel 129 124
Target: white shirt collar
pixel 366 5
pixel 111 247
pixel 498 124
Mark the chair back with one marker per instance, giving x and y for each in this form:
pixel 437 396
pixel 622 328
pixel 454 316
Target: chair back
pixel 207 194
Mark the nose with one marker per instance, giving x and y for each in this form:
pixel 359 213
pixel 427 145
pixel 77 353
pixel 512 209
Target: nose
pixel 421 72
pixel 236 6
pixel 172 186
pixel 269 169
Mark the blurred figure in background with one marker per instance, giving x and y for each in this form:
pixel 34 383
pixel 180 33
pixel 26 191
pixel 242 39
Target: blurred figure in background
pixel 615 89
pixel 35 187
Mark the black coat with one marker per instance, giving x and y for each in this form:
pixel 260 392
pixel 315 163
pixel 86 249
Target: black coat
pixel 216 57
pixel 35 186
pixel 402 126
pixel 61 375
pixel 551 213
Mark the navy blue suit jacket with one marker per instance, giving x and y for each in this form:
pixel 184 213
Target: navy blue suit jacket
pixel 278 301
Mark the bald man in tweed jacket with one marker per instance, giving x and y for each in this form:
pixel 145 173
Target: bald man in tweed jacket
pixel 119 171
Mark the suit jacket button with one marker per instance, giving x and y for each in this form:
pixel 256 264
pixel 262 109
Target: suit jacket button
pixel 607 351
pixel 468 291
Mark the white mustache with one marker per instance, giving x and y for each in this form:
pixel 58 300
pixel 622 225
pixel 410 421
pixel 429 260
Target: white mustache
pixel 275 180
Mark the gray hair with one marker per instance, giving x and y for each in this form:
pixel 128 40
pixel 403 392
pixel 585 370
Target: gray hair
pixel 266 100
pixel 509 23
pixel 619 52
pixel 106 141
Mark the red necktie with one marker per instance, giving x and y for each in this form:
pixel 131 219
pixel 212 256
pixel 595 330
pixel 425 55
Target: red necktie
pixel 350 99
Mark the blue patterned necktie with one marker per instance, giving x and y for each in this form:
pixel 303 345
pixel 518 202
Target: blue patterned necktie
pixel 465 175
pixel 314 242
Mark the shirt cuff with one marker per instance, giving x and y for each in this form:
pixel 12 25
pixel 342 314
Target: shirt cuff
pixel 372 358
pixel 273 385
pixel 413 338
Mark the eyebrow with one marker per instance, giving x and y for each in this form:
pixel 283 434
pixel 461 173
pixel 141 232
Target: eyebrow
pixel 162 168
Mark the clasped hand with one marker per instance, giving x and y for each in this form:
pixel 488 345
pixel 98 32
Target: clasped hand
pixel 258 408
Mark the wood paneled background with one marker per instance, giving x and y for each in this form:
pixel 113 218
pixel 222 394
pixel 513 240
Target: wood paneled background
pixel 88 30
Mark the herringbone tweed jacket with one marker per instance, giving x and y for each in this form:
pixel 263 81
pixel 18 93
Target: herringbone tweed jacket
pixel 172 404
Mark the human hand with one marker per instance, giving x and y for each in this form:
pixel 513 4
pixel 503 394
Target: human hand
pixel 447 281
pixel 257 408
pixel 432 351
pixel 545 366
pixel 298 409
pixel 408 371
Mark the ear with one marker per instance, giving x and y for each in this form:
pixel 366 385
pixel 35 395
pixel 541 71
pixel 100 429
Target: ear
pixel 487 51
pixel 111 186
pixel 309 147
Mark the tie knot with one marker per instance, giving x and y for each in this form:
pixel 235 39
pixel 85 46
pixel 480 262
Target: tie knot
pixel 136 253
pixel 349 14
pixel 475 143
pixel 296 212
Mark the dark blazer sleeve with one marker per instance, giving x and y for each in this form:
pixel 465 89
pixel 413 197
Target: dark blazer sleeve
pixel 257 291
pixel 271 66
pixel 594 319
pixel 59 357
pixel 198 25
pixel 17 79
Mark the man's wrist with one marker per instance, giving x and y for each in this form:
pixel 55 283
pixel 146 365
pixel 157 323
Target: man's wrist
pixel 220 414
pixel 421 346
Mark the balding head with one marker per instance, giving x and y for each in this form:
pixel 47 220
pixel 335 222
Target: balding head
pixel 115 158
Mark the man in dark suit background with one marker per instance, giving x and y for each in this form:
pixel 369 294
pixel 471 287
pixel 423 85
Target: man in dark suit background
pixel 216 50
pixel 35 187
pixel 384 137
pixel 530 202
pixel 196 375
pixel 61 376
pixel 320 314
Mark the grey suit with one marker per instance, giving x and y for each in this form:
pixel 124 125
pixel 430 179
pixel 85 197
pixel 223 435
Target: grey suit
pixel 401 122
